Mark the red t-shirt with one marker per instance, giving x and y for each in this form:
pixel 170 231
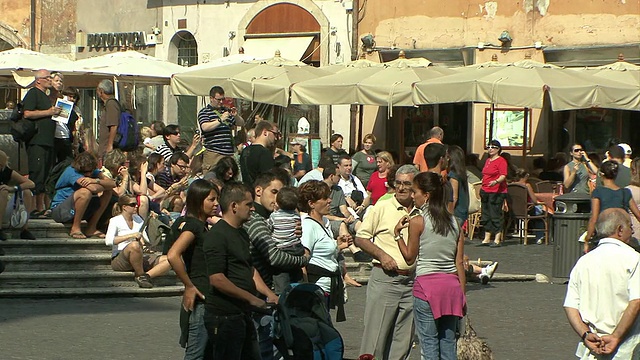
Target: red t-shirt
pixel 491 171
pixel 377 186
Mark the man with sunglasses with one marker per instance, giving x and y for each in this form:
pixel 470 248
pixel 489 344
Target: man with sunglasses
pixel 174 178
pixel 41 157
pixel 171 144
pixel 257 158
pixel 577 172
pixel 216 124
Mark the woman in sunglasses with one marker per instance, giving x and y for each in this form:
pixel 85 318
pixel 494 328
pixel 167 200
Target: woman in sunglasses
pixel 578 171
pixel 493 194
pixel 127 239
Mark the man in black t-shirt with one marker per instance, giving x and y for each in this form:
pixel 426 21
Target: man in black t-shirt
pixel 41 157
pixel 257 158
pixel 234 281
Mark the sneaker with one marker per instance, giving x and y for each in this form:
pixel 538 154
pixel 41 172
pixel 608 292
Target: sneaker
pixel 3 236
pixel 484 279
pixel 27 235
pixel 491 269
pixel 362 257
pixel 144 281
pixel 539 241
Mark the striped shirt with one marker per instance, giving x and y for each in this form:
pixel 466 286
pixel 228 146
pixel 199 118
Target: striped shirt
pixel 165 151
pixel 220 139
pixel 284 225
pixel 264 253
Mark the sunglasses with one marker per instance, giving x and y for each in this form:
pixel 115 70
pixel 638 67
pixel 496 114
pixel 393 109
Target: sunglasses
pixel 493 147
pixel 277 134
pixel 134 204
pixel 578 150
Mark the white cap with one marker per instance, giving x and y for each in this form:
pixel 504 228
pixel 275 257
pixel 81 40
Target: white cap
pixel 626 148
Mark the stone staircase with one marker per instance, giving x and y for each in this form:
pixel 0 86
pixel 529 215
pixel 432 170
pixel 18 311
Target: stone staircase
pixel 56 265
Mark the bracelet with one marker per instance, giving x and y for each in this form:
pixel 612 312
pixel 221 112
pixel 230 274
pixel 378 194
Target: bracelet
pixel 397 237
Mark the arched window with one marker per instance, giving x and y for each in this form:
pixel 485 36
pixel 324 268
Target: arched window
pixel 187 49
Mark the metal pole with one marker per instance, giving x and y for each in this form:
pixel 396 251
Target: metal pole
pixel 525 138
pixel 491 113
pixel 33 25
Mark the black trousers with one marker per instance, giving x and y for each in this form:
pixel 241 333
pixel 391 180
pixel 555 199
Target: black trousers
pixel 63 149
pixel 40 160
pixel 492 220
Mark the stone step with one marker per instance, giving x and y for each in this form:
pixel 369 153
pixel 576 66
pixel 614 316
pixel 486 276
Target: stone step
pixel 72 279
pixel 92 292
pixel 63 245
pixel 58 262
pixel 42 228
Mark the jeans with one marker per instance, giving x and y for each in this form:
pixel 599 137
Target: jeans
pixel 437 336
pixel 263 325
pixel 233 337
pixel 198 338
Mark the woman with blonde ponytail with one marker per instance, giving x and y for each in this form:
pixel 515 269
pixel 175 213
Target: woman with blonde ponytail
pixel 126 238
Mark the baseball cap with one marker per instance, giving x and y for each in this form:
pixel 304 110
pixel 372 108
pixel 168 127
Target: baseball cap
pixel 298 141
pixel 626 148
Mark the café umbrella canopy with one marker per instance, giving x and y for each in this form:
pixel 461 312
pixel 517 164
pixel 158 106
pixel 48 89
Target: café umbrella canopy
pixel 523 84
pixel 19 59
pixel 388 84
pixel 127 64
pixel 265 81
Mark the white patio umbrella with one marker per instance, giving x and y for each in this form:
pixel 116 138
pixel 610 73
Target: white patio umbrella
pixel 22 59
pixel 266 81
pixel 129 64
pixel 524 84
pixel 383 84
pixel 622 72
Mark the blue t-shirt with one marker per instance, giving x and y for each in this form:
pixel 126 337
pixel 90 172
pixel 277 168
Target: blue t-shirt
pixel 617 199
pixel 461 209
pixel 67 184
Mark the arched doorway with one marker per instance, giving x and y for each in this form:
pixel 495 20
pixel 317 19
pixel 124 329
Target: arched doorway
pixel 184 51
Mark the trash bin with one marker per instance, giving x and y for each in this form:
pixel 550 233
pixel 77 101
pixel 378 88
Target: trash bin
pixel 572 213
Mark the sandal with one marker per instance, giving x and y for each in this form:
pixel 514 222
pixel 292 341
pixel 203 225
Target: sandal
pixel 97 234
pixel 78 235
pixel 35 214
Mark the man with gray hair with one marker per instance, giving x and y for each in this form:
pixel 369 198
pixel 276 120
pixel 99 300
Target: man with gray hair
pixel 388 314
pixel 436 134
pixel 603 296
pixel 41 157
pixel 109 116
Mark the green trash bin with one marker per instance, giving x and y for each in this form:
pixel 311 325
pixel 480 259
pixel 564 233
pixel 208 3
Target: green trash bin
pixel 572 213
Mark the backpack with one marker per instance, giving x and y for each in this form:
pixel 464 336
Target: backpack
pixel 128 133
pixel 302 325
pixel 22 129
pixel 54 175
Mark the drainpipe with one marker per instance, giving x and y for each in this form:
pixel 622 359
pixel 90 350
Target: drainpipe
pixel 33 25
pixel 354 55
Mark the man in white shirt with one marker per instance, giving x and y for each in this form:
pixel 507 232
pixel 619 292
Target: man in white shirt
pixel 350 184
pixel 603 296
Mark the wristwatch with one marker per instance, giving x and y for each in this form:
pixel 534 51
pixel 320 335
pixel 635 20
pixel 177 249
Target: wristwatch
pixel 397 237
pixel 584 336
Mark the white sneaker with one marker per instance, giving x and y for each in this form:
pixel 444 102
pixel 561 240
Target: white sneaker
pixel 484 278
pixel 491 269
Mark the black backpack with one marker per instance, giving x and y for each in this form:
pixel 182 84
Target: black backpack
pixel 22 129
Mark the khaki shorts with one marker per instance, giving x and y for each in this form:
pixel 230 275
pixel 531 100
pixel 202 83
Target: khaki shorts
pixel 121 262
pixel 210 159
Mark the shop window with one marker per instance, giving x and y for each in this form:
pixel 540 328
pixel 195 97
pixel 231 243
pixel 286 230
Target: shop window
pixel 508 127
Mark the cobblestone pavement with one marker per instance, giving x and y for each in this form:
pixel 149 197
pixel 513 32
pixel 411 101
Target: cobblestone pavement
pixel 519 320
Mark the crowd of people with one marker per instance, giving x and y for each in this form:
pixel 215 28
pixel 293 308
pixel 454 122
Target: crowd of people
pixel 245 226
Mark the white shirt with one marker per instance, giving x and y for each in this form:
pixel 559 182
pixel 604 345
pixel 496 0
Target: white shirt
pixel 348 186
pixel 118 227
pixel 600 287
pixel 322 246
pixel 314 174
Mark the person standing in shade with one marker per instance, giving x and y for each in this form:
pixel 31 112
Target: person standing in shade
pixel 40 148
pixel 109 116
pixel 301 160
pixel 578 171
pixel 436 134
pixel 335 151
pixel 378 185
pixel 216 124
pixel 365 160
pixel 493 193
pixel 257 158
pixel 234 281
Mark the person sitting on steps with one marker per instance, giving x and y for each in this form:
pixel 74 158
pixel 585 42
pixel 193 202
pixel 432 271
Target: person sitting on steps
pixel 82 193
pixel 11 182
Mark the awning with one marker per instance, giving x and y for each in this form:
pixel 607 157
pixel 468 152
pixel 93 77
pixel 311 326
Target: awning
pixel 290 47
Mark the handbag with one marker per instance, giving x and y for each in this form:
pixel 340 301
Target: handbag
pixel 19 214
pixel 470 346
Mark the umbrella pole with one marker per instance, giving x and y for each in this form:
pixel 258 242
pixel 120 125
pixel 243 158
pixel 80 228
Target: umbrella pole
pixel 360 124
pixel 525 138
pixel 491 112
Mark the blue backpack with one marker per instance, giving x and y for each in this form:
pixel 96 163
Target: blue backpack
pixel 302 325
pixel 128 133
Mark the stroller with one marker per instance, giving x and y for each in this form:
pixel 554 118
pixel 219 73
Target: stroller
pixel 302 325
